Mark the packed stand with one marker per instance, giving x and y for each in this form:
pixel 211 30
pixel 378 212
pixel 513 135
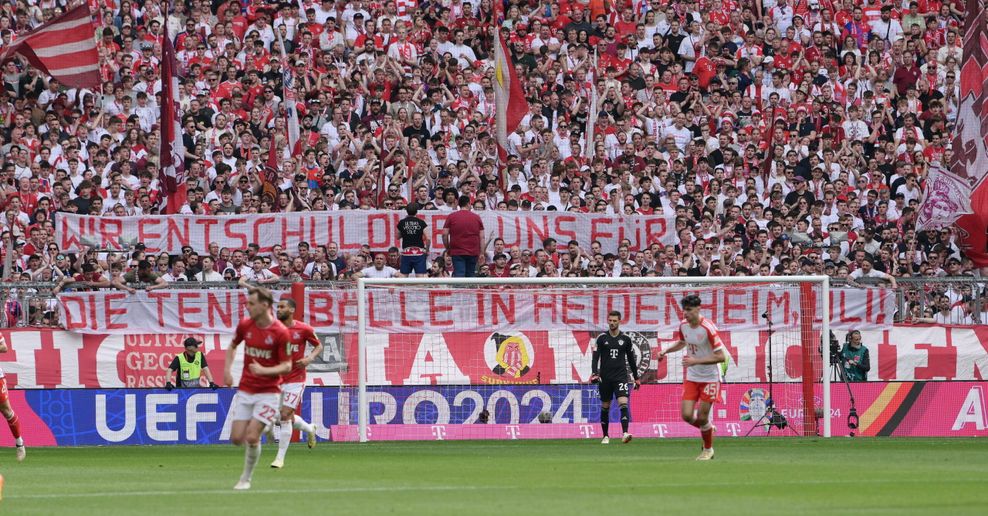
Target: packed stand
pixel 851 103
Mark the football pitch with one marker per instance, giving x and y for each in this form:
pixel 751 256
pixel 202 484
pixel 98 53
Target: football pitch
pixel 748 476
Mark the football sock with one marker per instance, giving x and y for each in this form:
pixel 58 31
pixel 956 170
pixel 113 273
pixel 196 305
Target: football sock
pixel 692 422
pixel 15 426
pixel 284 440
pixel 604 420
pixel 707 432
pixel 251 454
pixel 300 424
pixel 624 418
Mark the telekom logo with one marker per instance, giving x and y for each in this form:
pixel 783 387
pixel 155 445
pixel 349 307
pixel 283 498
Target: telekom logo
pixel 587 431
pixel 660 429
pixel 439 432
pixel 734 428
pixel 513 431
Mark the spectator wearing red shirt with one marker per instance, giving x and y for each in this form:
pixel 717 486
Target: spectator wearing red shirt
pixel 461 236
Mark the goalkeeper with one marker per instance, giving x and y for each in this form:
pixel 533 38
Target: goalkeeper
pixel 613 356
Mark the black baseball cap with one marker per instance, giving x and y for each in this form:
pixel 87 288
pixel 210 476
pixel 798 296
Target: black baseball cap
pixel 191 341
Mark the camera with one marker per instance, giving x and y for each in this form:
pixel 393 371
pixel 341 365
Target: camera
pixel 834 348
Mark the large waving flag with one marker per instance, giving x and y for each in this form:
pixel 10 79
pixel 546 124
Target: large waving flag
pixel 172 156
pixel 63 48
pixel 959 196
pixel 290 103
pixel 592 111
pixel 509 98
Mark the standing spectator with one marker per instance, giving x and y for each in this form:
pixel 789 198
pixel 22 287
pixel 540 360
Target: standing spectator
pixel 414 242
pixel 461 236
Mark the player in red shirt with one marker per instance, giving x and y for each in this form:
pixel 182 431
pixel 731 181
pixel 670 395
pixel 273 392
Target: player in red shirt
pixel 703 372
pixel 293 383
pixel 266 357
pixel 8 412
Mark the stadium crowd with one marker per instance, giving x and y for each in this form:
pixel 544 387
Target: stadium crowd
pixel 786 137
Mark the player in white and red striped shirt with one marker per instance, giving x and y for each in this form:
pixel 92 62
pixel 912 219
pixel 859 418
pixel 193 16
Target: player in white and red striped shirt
pixel 266 357
pixel 705 353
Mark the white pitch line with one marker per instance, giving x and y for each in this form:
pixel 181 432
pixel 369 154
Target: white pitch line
pixel 124 494
pixel 382 489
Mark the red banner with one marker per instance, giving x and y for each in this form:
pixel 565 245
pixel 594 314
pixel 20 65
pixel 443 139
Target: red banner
pixel 432 310
pixel 352 229
pixel 60 359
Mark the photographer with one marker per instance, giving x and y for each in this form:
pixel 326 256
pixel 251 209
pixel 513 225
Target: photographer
pixel 856 358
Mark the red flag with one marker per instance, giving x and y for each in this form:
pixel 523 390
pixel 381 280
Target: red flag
pixel 769 152
pixel 509 98
pixel 960 196
pixel 272 152
pixel 172 155
pixel 63 48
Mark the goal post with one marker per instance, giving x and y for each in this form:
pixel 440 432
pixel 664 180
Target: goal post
pixel 477 349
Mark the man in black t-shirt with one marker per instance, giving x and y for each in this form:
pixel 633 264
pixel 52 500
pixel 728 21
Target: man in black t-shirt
pixel 414 242
pixel 613 356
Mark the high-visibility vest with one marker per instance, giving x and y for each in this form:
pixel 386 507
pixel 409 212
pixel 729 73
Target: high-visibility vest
pixel 189 372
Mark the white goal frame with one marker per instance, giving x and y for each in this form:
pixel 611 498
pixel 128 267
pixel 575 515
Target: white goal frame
pixel 363 406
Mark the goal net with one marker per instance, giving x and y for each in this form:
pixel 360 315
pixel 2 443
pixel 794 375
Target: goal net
pixel 479 358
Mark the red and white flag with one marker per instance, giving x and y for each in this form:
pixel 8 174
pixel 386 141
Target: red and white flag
pixel 290 103
pixel 172 176
pixel 509 98
pixel 63 48
pixel 592 111
pixel 959 196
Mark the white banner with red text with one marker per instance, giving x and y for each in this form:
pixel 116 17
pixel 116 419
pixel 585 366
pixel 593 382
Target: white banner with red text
pixel 351 229
pixel 46 358
pixel 431 310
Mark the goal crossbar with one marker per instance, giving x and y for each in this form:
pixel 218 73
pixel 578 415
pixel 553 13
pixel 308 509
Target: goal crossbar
pixel 363 413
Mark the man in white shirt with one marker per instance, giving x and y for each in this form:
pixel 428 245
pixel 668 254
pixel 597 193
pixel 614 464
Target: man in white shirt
pixel 379 269
pixel 208 272
pixel 324 11
pixel 679 132
pixel 689 48
pixel 867 270
pixel 258 274
pixel 403 51
pixel 177 273
pixel 887 28
pixel 463 54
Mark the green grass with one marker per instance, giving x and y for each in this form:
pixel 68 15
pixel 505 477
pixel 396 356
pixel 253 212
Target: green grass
pixel 749 476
